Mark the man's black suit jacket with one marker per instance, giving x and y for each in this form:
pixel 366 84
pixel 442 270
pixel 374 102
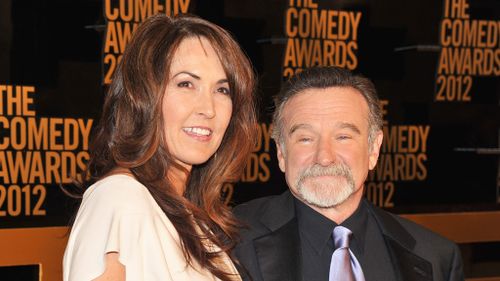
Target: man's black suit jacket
pixel 269 249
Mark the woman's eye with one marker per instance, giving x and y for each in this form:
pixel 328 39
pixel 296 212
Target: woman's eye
pixel 184 84
pixel 223 90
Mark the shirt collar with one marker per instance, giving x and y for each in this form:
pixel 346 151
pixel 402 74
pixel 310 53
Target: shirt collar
pixel 358 223
pixel 317 229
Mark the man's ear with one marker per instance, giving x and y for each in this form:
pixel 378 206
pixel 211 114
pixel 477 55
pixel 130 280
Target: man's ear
pixel 281 156
pixel 375 150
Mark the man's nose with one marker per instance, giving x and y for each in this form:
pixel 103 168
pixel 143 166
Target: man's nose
pixel 325 154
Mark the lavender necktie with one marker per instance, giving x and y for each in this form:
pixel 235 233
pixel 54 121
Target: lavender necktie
pixel 344 265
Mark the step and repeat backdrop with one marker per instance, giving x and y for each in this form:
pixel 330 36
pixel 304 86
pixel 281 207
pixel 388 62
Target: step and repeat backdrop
pixel 436 66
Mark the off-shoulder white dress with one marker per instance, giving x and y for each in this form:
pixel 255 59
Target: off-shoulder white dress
pixel 118 214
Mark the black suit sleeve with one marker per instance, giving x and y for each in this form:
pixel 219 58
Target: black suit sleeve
pixel 456 268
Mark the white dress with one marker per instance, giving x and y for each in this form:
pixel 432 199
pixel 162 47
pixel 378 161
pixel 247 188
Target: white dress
pixel 118 214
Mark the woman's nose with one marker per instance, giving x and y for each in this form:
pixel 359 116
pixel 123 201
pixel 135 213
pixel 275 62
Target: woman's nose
pixel 205 104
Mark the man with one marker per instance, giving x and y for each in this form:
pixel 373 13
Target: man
pixel 328 131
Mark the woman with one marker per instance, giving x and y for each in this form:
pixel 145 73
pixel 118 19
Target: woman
pixel 176 124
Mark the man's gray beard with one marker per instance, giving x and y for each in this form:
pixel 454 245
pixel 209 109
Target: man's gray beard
pixel 328 193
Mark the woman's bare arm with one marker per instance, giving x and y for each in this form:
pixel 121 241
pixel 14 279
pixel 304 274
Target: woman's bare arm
pixel 115 271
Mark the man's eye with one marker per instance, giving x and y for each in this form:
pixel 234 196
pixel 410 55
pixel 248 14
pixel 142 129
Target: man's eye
pixel 305 139
pixel 343 137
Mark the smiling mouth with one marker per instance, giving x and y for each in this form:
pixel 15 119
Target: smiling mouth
pixel 202 132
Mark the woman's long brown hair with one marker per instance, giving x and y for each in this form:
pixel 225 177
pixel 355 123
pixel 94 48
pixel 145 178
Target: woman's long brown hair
pixel 130 133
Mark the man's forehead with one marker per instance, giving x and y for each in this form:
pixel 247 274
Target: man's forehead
pixel 345 104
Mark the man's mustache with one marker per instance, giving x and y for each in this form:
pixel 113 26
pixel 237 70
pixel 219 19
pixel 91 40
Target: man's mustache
pixel 336 169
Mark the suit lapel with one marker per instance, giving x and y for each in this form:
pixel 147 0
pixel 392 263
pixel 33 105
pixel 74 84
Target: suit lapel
pixel 407 265
pixel 400 243
pixel 278 252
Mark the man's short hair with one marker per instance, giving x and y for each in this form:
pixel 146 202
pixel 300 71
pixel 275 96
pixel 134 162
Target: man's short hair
pixel 322 78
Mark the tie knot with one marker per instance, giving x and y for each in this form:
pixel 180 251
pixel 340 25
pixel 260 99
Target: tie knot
pixel 341 236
